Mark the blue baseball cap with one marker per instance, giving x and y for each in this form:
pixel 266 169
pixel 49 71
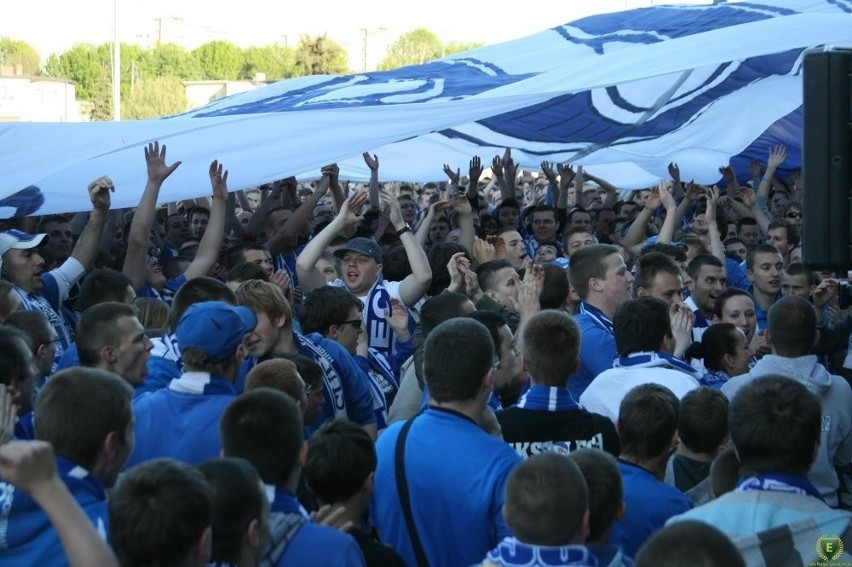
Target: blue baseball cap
pixel 215 328
pixel 361 245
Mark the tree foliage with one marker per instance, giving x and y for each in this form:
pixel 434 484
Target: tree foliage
pixel 219 60
pixel 277 61
pixel 419 46
pixel 154 97
pixel 320 56
pixel 15 52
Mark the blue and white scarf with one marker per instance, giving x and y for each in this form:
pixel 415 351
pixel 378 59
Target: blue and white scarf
pixel 655 359
pixel 714 378
pixel 513 553
pixel 380 336
pixel 548 398
pixel 335 401
pixel 598 316
pixel 37 302
pixel 167 347
pixel 201 383
pixel 778 482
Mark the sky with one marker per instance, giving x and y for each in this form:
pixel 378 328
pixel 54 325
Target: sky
pixel 261 22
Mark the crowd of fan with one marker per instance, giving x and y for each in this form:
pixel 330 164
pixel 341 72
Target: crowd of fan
pixel 503 368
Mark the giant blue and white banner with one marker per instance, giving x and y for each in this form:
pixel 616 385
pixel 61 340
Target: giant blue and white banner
pixel 623 94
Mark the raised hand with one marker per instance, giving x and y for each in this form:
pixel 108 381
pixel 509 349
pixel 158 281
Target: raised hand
pixel 497 167
pixel 549 173
pixel 674 171
pixel 371 161
pixel 666 198
pixel 155 158
pixel 391 201
pixel 777 155
pixel 483 250
pixel 219 181
pixel 712 199
pixel 474 172
pixel 746 194
pixel 332 171
pixel 566 174
pixel 99 193
pixel 755 169
pixel 653 202
pixel 349 208
pixel 281 280
pixel 453 176
pixel 693 191
pixel 396 316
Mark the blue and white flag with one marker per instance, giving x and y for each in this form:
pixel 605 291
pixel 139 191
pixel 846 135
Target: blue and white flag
pixel 622 94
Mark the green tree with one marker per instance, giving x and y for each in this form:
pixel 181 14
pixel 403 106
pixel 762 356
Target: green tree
pixel 457 47
pixel 170 60
pixel 277 61
pixel 219 60
pixel 413 48
pixel 154 97
pixel 320 56
pixel 15 52
pixel 101 97
pixel 84 64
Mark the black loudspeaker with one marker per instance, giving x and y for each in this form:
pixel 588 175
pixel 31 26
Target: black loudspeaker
pixel 827 159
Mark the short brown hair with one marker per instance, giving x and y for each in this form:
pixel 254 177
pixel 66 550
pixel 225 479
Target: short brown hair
pixel 586 263
pixel 279 374
pixel 551 346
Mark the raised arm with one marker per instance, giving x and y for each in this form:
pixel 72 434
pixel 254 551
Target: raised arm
pixel 464 215
pixel 414 286
pixel 140 227
pixel 31 466
pixel 211 242
pixel 337 193
pixel 716 246
pixel 86 249
pixel 777 155
pixel 287 237
pixel 373 163
pixel 309 276
pixel 635 235
pixel 672 219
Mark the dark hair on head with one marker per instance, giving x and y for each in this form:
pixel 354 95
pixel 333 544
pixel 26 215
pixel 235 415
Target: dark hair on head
pixel 703 423
pixel 235 255
pixel 326 306
pixel 237 501
pixel 487 273
pixel 102 397
pixel 98 328
pixel 493 321
pixel 689 542
pixel 36 327
pixel 453 372
pixel 194 291
pixel 264 426
pixel 746 221
pixel 555 289
pixel 158 512
pixel 197 210
pixel 649 265
pixel 762 248
pixel 439 256
pixel 724 472
pixel 647 421
pixel 310 371
pixel 799 269
pixel 551 347
pixel 640 325
pixel 395 264
pixel 789 228
pixel 546 500
pixel 603 480
pixel 727 294
pixel 173 267
pixel 586 263
pixel 697 263
pixel 102 285
pixel 761 410
pixel 569 217
pixel 717 341
pixel 792 324
pixel 14 358
pixel 341 455
pixel 49 219
pixel 440 308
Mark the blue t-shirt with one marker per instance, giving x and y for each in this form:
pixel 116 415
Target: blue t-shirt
pixel 597 348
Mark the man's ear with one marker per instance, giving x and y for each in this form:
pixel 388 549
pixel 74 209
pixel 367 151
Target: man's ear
pixel 332 332
pixel 39 354
pixel 253 533
pixel 767 336
pixel 302 457
pixel 109 355
pixel 379 269
pixel 204 546
pixel 641 292
pixel 367 486
pixel 280 322
pixel 596 284
pixel 816 338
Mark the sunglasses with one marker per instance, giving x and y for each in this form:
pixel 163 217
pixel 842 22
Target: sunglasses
pixel 793 215
pixel 357 323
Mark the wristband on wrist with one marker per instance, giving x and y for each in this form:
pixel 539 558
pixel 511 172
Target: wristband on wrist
pixel 402 231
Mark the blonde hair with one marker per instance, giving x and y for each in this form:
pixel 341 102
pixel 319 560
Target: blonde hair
pixel 279 374
pixel 264 297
